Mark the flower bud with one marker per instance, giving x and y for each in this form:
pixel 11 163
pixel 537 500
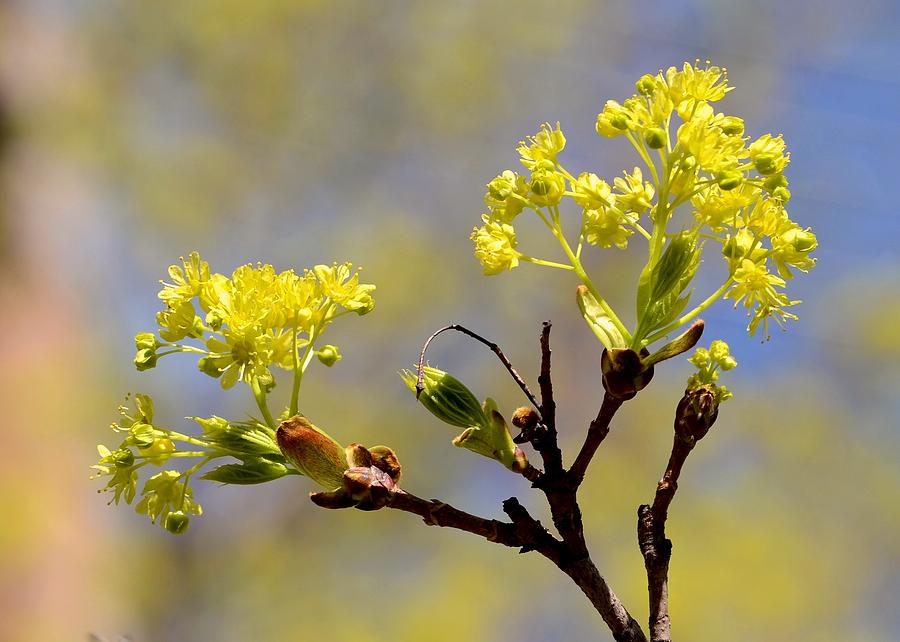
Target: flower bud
pixel 801 240
pixel 123 458
pixel 312 452
pixel 446 397
pixel 176 522
pixel 732 126
pixel 158 451
pixel 718 350
pixel 765 163
pixel 525 419
pixel 619 121
pixel 384 459
pixel 146 341
pixel 145 359
pixel 210 366
pixel 696 413
pixel 729 179
pixel 329 355
pixel 701 358
pixel 775 181
pixel 655 137
pixel 623 373
pixel 645 84
pixel 783 194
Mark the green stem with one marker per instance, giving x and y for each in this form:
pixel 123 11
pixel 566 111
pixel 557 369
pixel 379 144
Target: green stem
pixel 644 155
pixel 299 369
pixel 260 396
pixel 586 280
pixel 553 264
pixel 712 298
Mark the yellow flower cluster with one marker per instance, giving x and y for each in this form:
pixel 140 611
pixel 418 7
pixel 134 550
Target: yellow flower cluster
pixel 694 157
pixel 253 320
pixel 709 362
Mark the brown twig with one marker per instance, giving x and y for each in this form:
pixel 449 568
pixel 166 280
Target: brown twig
pixel 545 441
pixel 655 547
pixel 420 382
pixel 597 432
pixel 558 485
pixel 437 513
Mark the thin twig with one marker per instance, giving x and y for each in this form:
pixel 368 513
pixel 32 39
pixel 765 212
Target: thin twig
pixel 546 444
pixel 420 382
pixel 437 513
pixel 655 547
pixel 597 432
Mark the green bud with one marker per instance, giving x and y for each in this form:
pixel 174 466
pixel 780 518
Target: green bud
pixel 619 121
pixel 645 84
pixel 177 522
pixel 655 137
pixel 312 452
pixel 329 355
pixel 732 126
pixel 687 164
pixel 447 398
pixel 700 358
pixel 729 179
pixel 678 260
pixel 142 435
pixel 718 350
pixel 123 458
pixel 146 341
pixel 540 186
pixel 775 181
pixel 145 359
pixel 158 452
pixel 765 163
pixel 209 366
pixel 728 363
pixel 802 240
pixel 783 194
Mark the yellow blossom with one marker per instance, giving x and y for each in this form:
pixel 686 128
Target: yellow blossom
pixel 791 248
pixel 604 228
pixel 187 280
pixel 495 246
pixel 543 146
pixel 592 192
pixel 547 185
pixel 635 195
pixel 614 120
pixel 506 196
pixel 768 155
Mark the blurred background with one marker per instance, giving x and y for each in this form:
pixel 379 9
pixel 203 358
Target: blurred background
pixel 133 131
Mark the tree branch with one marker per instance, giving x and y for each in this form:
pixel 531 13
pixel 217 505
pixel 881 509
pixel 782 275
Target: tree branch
pixel 655 547
pixel 437 513
pixel 597 432
pixel 545 441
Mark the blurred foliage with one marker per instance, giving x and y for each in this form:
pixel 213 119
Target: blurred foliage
pixel 294 132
